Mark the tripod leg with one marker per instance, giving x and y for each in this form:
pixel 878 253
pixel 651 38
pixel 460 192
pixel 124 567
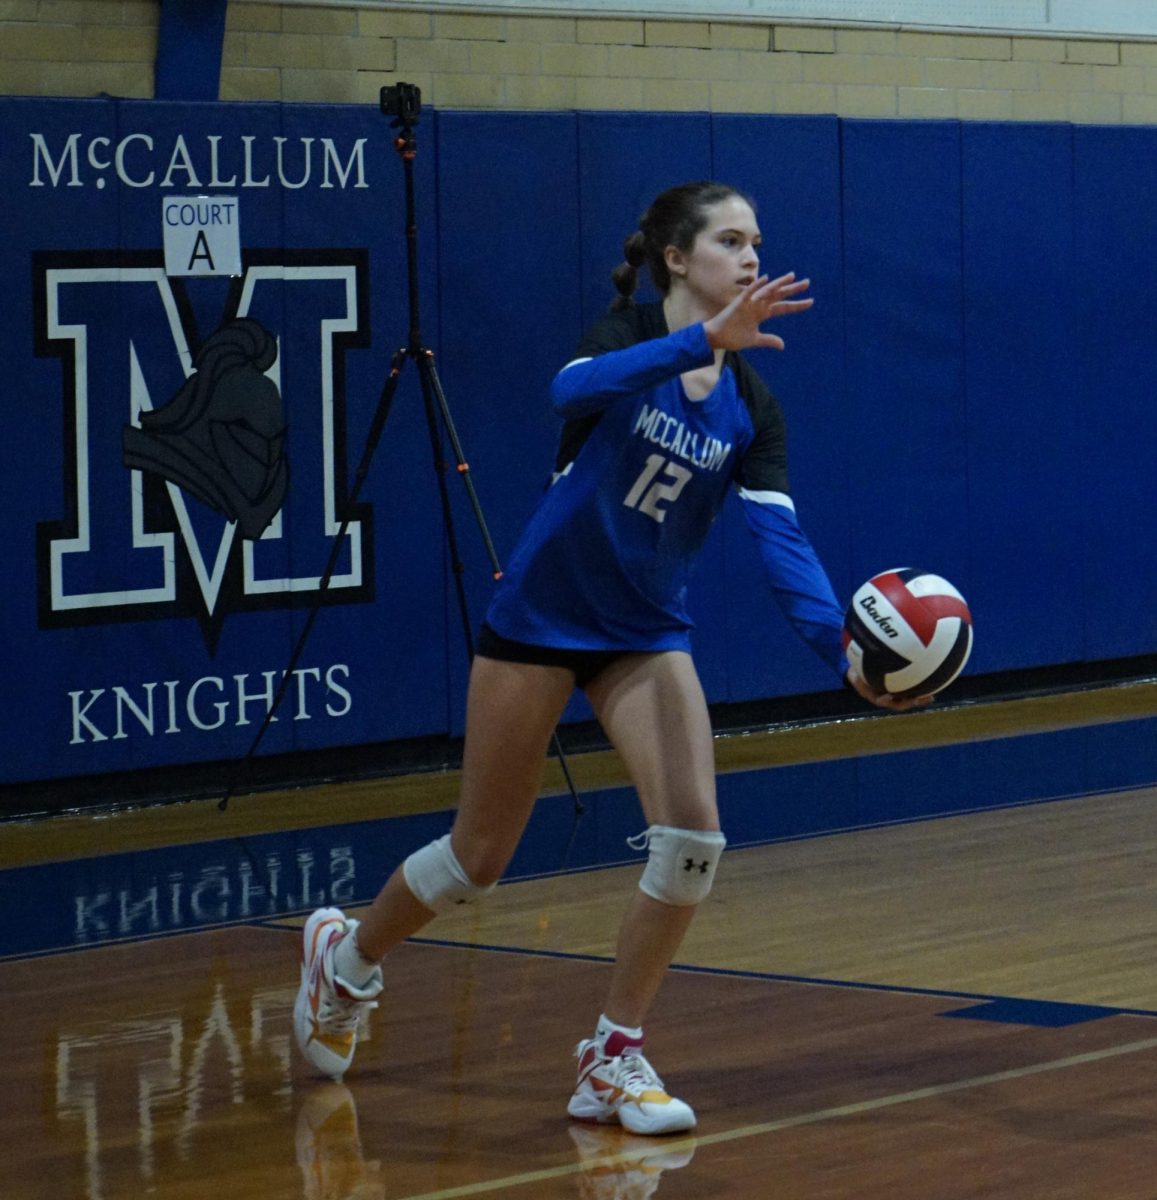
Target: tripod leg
pixel 381 414
pixel 428 370
pixel 430 390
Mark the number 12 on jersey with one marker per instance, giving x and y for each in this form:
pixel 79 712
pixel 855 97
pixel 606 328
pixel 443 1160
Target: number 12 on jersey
pixel 648 493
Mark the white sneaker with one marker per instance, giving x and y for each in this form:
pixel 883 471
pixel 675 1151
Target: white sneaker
pixel 617 1084
pixel 328 1009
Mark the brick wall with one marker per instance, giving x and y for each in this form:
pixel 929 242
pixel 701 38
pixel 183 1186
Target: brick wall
pixel 300 53
pixel 78 47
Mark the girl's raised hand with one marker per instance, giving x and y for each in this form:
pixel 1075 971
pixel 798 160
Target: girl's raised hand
pixel 737 327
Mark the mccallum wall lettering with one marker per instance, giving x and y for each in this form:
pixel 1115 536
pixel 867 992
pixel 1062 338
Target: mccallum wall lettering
pixel 138 160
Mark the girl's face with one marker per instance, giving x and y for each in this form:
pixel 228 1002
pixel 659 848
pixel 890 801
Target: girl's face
pixel 724 258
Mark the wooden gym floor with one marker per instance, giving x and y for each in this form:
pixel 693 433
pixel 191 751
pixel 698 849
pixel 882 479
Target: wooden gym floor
pixel 960 1007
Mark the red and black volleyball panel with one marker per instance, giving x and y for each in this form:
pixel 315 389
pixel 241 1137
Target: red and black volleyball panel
pixel 908 631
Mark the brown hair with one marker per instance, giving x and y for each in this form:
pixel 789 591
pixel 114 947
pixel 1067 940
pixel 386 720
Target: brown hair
pixel 675 218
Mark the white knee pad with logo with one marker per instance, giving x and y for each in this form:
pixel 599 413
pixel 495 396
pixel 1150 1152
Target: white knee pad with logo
pixel 437 878
pixel 680 864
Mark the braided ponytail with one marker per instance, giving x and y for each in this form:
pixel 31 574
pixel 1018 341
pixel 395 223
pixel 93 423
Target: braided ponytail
pixel 625 276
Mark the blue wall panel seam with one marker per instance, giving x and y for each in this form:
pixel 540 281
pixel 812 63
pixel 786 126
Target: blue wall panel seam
pixel 968 522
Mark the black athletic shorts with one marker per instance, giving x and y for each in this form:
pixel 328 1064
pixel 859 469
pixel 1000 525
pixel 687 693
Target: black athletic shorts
pixel 585 664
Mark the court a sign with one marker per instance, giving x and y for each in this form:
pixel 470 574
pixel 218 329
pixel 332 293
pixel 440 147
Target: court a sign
pixel 202 235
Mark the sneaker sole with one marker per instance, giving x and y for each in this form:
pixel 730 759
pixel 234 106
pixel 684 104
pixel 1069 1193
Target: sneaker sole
pixel 645 1126
pixel 593 1111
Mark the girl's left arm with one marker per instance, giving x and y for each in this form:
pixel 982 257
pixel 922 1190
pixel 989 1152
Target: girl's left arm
pixel 798 580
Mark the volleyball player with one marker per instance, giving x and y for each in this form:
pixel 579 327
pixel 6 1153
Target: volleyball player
pixel 661 419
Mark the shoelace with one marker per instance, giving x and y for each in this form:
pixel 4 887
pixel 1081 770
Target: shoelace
pixel 635 1074
pixel 341 1015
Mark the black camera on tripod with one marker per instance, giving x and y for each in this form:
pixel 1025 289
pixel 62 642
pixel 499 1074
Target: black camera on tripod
pixel 402 100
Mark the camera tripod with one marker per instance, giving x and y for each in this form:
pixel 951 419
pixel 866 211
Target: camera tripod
pixel 403 102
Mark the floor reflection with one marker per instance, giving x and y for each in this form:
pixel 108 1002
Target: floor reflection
pixel 198 1088
pixel 329 1148
pixel 616 1165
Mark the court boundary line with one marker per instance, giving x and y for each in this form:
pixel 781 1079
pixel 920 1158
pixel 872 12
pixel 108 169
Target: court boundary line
pixel 773 977
pixel 277 924
pixel 761 1129
pixel 140 939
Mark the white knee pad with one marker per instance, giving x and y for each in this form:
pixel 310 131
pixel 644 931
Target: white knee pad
pixel 681 863
pixel 437 879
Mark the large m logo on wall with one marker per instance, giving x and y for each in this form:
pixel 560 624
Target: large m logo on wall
pixel 204 441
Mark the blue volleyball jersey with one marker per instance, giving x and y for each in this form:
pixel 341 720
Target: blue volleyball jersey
pixel 641 474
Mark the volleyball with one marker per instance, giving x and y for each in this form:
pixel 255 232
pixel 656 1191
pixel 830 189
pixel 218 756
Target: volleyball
pixel 909 632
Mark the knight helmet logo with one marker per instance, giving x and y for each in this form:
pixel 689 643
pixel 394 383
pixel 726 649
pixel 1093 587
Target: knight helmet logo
pixel 221 438
pixel 175 458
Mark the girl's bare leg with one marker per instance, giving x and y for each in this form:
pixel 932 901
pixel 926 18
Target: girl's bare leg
pixel 653 710
pixel 511 712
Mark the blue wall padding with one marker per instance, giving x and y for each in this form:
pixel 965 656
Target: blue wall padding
pixel 1115 421
pixel 906 424
pixel 625 160
pixel 189 42
pixel 1020 361
pixel 791 167
pixel 971 393
pixel 509 252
